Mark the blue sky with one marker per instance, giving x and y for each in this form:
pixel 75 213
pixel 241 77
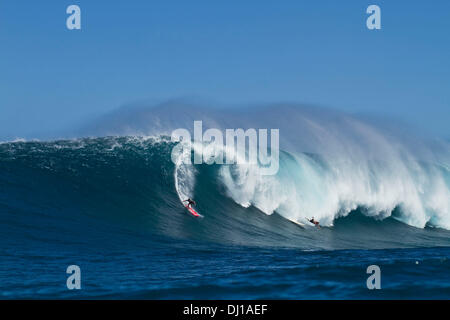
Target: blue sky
pixel 315 52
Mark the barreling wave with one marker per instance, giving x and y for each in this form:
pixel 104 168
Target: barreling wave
pixel 310 185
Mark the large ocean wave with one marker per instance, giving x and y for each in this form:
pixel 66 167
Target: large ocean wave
pixel 131 183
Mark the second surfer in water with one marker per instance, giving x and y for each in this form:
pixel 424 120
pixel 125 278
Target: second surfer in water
pixel 314 222
pixel 190 202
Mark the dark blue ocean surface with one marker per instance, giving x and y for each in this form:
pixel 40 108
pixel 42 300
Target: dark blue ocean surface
pixel 109 205
pixel 188 271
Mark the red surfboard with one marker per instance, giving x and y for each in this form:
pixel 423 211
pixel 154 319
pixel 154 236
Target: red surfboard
pixel 192 211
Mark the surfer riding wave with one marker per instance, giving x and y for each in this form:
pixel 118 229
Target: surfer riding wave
pixel 314 222
pixel 190 202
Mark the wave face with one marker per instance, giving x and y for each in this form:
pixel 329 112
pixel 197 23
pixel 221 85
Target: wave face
pixel 130 184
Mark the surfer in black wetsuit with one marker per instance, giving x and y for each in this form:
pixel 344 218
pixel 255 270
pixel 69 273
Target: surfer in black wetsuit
pixel 190 202
pixel 314 222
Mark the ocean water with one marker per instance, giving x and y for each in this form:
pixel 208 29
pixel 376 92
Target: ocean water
pixel 112 206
